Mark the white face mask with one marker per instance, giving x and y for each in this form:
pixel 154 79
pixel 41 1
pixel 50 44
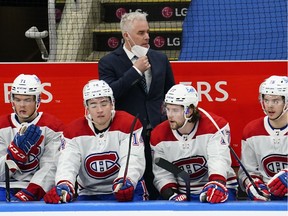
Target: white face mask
pixel 138 50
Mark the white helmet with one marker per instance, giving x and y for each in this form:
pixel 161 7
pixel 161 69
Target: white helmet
pixel 95 89
pixel 182 95
pixel 27 85
pixel 275 85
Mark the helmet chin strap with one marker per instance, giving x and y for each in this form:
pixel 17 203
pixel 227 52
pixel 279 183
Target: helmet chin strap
pixel 87 116
pixel 28 117
pixel 285 109
pixel 91 120
pixel 186 119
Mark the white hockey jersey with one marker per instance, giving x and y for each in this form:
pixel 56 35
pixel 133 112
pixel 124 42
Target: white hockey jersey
pixel 97 159
pixel 264 150
pixel 41 168
pixel 202 153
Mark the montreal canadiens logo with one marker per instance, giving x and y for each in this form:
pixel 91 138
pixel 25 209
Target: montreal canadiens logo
pixel 113 42
pixel 102 165
pixel 167 12
pixel 119 12
pixel 159 41
pixel 196 166
pixel 272 164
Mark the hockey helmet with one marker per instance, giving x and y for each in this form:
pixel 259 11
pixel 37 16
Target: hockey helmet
pixel 182 95
pixel 95 89
pixel 27 85
pixel 275 85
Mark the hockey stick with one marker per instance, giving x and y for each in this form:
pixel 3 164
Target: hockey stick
pixel 176 171
pixel 233 152
pixel 128 154
pixel 34 33
pixel 10 164
pixel 7 183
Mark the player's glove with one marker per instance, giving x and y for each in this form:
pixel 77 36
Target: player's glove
pixel 123 192
pixel 254 195
pixel 62 193
pixel 22 143
pixel 278 184
pixel 214 192
pixel 24 195
pixel 178 197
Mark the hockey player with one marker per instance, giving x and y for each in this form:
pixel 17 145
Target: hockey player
pixel 29 143
pixel 264 144
pixel 95 153
pixel 189 140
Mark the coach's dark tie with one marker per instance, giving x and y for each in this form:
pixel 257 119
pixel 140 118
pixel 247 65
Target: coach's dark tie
pixel 144 84
pixel 143 79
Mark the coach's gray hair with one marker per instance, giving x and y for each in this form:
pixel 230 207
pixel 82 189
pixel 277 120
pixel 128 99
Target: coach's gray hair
pixel 127 20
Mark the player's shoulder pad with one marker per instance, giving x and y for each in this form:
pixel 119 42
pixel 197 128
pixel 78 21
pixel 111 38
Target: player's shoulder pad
pixel 51 121
pixel 206 126
pixel 254 128
pixel 5 121
pixel 78 127
pixel 123 120
pixel 161 132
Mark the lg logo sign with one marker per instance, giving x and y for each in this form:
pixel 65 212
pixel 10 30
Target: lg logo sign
pixel 160 41
pixel 168 12
pixel 46 95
